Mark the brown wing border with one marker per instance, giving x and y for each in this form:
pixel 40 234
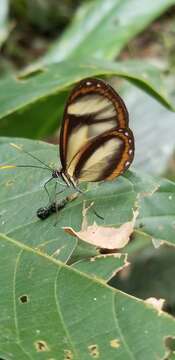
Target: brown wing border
pixel 119 164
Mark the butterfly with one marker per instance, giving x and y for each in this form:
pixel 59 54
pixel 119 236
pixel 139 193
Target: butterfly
pixel 96 142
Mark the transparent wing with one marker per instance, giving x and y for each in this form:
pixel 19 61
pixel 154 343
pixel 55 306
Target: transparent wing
pixel 93 108
pixel 105 157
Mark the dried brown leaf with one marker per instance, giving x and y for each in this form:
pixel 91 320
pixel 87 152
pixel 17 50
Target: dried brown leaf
pixel 103 236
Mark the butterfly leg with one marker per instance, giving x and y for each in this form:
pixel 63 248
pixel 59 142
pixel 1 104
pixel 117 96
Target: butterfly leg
pixel 44 212
pixel 46 189
pixel 60 205
pixel 78 189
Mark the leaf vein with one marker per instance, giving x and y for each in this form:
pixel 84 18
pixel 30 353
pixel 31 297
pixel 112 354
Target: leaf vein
pixel 60 313
pixel 128 350
pixel 14 304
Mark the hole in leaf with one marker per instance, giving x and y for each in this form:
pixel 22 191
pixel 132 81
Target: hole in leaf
pixel 107 251
pixel 170 344
pixel 68 355
pixel 115 343
pixel 41 346
pixel 23 299
pixel 94 351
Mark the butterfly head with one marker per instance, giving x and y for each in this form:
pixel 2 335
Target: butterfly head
pixel 56 174
pixel 64 176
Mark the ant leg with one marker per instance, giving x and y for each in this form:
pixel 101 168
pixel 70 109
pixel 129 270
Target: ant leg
pixel 96 213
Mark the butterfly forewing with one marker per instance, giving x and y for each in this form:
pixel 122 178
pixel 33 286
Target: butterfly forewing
pixel 93 108
pixel 104 157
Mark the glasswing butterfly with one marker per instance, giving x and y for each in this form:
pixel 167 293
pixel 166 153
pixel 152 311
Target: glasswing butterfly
pixel 96 142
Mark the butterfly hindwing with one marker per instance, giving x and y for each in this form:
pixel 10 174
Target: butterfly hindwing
pixel 92 109
pixel 104 157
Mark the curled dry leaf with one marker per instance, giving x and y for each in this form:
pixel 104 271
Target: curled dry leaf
pixel 106 237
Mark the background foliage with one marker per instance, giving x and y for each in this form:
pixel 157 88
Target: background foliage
pixel 60 298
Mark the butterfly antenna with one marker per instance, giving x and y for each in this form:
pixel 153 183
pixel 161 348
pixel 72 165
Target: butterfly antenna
pixel 32 156
pixel 32 166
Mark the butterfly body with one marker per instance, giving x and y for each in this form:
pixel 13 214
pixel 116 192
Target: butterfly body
pixel 69 180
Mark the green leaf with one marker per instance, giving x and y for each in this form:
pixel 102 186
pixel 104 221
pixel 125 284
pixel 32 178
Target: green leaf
pixel 52 311
pixel 157 213
pixel 56 311
pixel 149 120
pixel 102 28
pixel 33 106
pixel 22 194
pixel 102 266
